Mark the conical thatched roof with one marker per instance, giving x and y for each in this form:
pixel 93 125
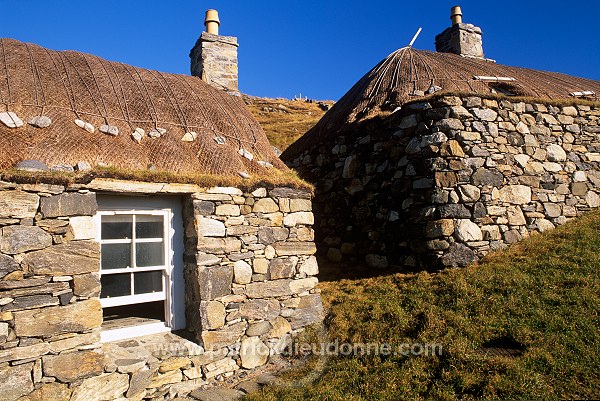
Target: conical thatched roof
pixel 68 86
pixel 408 74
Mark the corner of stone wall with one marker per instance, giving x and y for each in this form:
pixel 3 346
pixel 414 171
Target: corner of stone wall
pixel 445 181
pixel 252 282
pixel 50 312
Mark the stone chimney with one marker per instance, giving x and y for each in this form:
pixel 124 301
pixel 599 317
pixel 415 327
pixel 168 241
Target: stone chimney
pixel 214 57
pixel 463 39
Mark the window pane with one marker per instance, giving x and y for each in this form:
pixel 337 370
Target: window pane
pixel 148 282
pixel 115 285
pixel 115 256
pixel 149 226
pixel 149 254
pixel 117 227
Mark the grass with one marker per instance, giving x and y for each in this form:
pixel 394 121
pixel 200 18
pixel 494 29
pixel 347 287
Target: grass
pixel 542 294
pixel 285 120
pixel 288 178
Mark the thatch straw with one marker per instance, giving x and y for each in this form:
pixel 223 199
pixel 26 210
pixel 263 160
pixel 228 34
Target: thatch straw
pixel 408 73
pixel 69 85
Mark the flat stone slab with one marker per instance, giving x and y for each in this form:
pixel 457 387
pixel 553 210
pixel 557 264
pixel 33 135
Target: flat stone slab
pixel 217 394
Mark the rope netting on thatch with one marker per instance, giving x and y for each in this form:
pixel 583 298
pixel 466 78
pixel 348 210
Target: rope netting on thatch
pixel 407 74
pixel 66 86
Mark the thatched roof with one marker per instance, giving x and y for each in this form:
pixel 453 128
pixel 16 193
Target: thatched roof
pixel 408 74
pixel 68 86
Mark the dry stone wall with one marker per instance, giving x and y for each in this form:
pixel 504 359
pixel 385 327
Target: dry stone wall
pixel 252 274
pixel 442 183
pixel 250 279
pixel 50 314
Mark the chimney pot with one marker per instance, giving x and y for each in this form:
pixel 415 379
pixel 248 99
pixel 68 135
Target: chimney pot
pixel 456 15
pixel 212 22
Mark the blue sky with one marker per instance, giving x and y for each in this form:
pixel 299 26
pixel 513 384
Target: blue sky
pixel 314 48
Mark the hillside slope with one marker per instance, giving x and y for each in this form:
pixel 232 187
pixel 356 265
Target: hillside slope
pixel 522 324
pixel 285 120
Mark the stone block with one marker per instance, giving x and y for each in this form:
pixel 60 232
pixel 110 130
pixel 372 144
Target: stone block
pixel 32 302
pixel 515 194
pixel 21 239
pixel 295 248
pixel 242 272
pixel 269 289
pixel 24 352
pixel 458 255
pixel 260 266
pixel 515 216
pixel 224 337
pixel 467 231
pixel 76 341
pixel 281 268
pixel 579 188
pixel 445 179
pixel 47 322
pixel 227 210
pixel 265 205
pixel 300 205
pixel 174 363
pixel 294 219
pixel 204 208
pixel 555 153
pixel 212 315
pixel 309 311
pixel 489 177
pixel 453 148
pixel 291 193
pixel 258 329
pixel 310 267
pixel 69 258
pixel 69 204
pixel 18 204
pixel 439 228
pixel 16 381
pixel 253 353
pixel 215 282
pixel 74 366
pixel 86 285
pixel 280 327
pixel 350 166
pixel 456 211
pixel 7 265
pixel 81 228
pixel 49 392
pixel 260 309
pixel 210 227
pixel 139 382
pixel 106 387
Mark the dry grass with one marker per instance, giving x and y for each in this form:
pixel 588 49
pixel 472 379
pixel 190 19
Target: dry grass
pixel 276 179
pixel 285 120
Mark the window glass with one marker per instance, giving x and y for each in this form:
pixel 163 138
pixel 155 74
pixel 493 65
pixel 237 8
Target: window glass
pixel 149 254
pixel 149 226
pixel 115 285
pixel 117 227
pixel 147 282
pixel 115 256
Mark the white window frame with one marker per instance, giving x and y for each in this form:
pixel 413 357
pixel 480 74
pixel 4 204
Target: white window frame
pixel 173 285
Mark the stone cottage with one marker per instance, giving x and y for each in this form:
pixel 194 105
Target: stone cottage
pixel 136 203
pixel 433 159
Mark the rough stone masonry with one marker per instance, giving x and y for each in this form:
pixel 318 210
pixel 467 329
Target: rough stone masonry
pixel 443 182
pixel 250 286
